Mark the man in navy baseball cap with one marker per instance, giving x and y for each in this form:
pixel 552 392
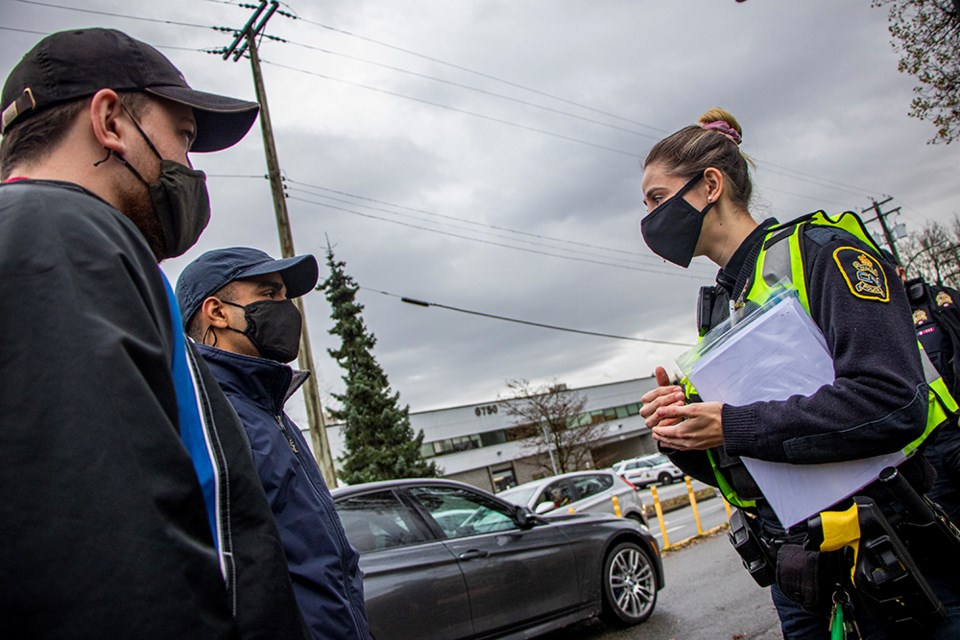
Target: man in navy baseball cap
pixel 214 270
pixel 236 305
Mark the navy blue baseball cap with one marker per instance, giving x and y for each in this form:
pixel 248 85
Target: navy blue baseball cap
pixel 216 269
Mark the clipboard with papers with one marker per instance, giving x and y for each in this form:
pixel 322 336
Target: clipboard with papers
pixel 776 352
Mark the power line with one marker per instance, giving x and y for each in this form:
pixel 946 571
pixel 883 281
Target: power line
pixel 840 185
pixel 495 235
pixel 475 72
pixel 115 15
pixel 629 254
pixel 469 88
pixel 799 175
pixel 637 258
pixel 773 167
pixel 845 205
pixel 421 303
pixel 455 109
pixel 496 244
pixel 816 182
pixel 39 33
pixel 158 46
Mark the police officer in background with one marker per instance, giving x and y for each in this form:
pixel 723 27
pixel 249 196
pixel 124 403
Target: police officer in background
pixel 936 318
pixel 697 189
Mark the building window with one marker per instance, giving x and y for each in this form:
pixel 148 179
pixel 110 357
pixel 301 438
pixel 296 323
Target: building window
pixel 491 438
pixel 503 478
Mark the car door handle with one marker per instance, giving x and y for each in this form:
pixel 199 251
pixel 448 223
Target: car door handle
pixel 473 554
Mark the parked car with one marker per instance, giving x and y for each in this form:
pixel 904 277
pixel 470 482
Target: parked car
pixel 500 572
pixel 579 492
pixel 654 468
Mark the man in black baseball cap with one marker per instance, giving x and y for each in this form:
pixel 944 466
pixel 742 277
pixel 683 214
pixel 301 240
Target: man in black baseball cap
pixel 129 503
pixel 76 64
pixel 114 116
pixel 237 306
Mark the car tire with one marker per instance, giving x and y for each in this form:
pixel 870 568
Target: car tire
pixel 629 585
pixel 664 479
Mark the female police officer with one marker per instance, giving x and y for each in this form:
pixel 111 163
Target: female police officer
pixel 696 187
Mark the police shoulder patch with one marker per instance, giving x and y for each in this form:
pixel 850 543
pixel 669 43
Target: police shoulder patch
pixel 944 299
pixel 863 274
pixel 919 317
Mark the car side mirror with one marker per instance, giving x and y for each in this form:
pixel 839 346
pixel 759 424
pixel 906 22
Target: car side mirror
pixel 523 517
pixel 544 507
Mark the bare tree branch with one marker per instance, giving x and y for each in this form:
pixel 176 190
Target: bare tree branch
pixel 926 34
pixel 559 433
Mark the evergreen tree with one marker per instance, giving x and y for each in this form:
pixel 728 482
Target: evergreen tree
pixel 379 443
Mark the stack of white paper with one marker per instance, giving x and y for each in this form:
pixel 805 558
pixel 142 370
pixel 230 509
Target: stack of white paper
pixel 776 355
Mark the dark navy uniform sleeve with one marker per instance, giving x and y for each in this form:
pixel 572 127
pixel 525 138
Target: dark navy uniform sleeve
pixel 878 401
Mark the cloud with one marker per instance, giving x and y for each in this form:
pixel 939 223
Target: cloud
pixel 814 85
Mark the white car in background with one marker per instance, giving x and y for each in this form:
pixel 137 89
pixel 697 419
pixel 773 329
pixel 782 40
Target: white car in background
pixel 655 468
pixel 579 492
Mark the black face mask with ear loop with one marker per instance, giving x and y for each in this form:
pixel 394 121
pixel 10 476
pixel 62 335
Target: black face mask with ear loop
pixel 179 198
pixel 273 327
pixel 673 228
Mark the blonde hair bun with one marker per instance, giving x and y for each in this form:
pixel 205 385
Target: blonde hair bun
pixel 721 121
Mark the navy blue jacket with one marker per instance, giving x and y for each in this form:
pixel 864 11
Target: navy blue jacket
pixel 324 567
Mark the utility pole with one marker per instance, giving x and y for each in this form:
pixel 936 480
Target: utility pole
pixel 311 394
pixel 882 218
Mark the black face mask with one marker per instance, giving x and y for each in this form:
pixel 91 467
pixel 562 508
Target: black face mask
pixel 179 198
pixel 673 228
pixel 273 326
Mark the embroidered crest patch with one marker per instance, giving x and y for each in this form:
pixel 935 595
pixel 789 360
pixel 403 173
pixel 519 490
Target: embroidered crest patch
pixel 919 317
pixel 863 274
pixel 944 299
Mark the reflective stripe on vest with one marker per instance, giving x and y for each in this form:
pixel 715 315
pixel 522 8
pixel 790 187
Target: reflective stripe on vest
pixel 780 264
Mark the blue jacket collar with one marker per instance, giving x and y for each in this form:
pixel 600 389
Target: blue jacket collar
pixel 267 383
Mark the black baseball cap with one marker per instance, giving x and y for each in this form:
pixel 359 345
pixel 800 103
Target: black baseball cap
pixel 69 65
pixel 216 269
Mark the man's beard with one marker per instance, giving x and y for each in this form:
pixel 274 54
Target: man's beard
pixel 135 204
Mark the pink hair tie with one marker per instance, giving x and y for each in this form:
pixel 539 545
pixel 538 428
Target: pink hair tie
pixel 724 128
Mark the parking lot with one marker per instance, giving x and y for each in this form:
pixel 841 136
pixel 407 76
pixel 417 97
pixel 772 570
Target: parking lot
pixel 708 596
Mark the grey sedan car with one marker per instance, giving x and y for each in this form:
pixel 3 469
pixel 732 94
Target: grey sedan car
pixel 444 560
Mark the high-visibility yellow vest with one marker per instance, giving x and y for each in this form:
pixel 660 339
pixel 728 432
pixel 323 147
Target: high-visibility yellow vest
pixel 780 261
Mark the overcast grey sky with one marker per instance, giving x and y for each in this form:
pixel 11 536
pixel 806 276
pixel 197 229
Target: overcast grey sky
pixel 485 154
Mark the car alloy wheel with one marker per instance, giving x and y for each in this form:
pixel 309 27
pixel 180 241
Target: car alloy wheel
pixel 665 479
pixel 629 585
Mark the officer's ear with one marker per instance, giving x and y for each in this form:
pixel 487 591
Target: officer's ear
pixel 713 179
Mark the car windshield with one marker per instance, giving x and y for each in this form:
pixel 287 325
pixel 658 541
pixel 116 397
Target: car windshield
pixel 518 495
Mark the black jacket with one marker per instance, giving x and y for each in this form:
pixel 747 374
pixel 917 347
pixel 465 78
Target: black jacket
pixel 103 529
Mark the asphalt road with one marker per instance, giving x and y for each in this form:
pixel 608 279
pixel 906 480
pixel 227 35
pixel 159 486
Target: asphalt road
pixel 708 596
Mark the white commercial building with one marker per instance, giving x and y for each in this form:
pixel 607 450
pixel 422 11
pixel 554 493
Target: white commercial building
pixel 483 446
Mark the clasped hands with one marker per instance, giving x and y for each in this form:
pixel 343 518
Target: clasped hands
pixel 676 424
